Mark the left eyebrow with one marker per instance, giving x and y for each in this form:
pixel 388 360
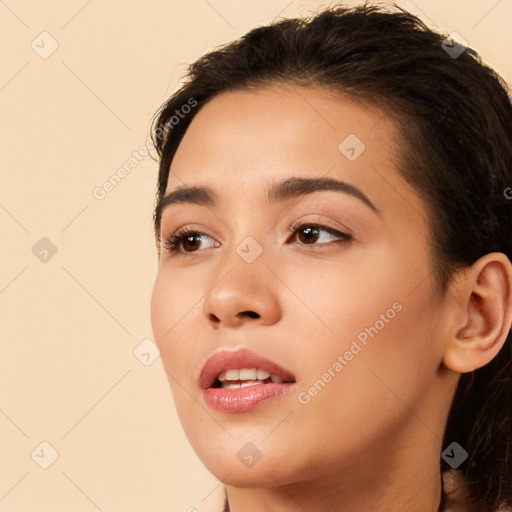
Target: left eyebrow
pixel 286 189
pixel 294 187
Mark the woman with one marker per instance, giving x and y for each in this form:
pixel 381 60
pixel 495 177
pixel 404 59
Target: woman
pixel 333 301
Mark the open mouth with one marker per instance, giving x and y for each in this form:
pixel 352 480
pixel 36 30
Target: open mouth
pixel 238 380
pixel 241 390
pixel 245 377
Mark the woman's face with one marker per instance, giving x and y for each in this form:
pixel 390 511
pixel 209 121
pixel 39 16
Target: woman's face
pixel 354 320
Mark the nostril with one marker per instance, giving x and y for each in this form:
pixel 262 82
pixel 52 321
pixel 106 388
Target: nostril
pixel 214 319
pixel 252 314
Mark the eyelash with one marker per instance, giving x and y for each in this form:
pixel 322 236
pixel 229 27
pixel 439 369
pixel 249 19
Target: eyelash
pixel 171 244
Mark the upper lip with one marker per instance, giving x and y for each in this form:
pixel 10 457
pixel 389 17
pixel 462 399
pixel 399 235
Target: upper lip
pixel 242 358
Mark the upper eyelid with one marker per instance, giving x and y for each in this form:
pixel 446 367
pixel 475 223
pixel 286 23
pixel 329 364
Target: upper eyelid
pixel 190 228
pixel 325 224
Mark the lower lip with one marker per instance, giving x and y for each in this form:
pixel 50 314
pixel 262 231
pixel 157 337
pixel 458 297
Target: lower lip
pixel 243 399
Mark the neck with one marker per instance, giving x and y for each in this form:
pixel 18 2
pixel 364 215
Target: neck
pixel 401 473
pixel 316 499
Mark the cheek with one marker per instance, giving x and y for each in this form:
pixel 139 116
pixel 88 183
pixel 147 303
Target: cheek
pixel 334 302
pixel 377 384
pixel 163 309
pixel 380 324
pixel 172 305
pixel 172 308
pixel 175 294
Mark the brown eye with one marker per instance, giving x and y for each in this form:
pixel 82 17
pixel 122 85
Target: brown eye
pixel 188 239
pixel 192 241
pixel 309 234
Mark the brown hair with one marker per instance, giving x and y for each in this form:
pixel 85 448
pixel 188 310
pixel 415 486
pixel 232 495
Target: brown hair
pixel 454 116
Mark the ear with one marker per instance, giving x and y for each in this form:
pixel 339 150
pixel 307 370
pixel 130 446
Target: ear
pixel 482 313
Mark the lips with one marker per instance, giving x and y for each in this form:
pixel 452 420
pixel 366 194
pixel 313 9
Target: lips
pixel 225 360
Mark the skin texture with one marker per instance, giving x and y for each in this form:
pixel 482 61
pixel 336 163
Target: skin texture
pixel 371 438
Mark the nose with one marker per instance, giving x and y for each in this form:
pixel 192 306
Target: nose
pixel 247 293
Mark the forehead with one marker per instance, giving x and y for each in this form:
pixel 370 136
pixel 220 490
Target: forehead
pixel 281 123
pixel 241 142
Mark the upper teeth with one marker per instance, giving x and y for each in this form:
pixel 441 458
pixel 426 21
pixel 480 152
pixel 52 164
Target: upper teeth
pixel 248 374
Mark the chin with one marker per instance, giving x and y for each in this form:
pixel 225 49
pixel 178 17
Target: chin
pixel 268 471
pixel 261 476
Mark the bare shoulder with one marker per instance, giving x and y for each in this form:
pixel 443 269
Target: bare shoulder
pixel 454 487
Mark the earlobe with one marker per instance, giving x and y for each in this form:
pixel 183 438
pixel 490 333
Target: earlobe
pixel 485 293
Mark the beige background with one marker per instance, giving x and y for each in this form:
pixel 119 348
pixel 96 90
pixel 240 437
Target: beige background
pixel 72 324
